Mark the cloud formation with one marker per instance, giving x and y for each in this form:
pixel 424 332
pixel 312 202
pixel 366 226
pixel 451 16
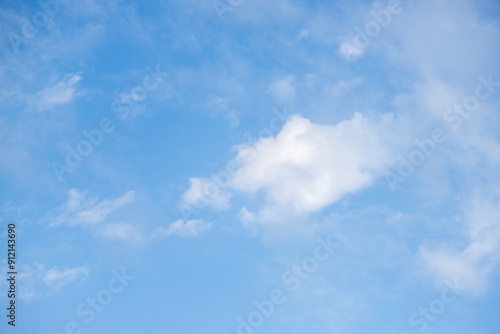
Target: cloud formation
pixel 121 231
pixel 182 228
pixel 196 195
pixel 305 167
pixel 36 281
pixel 474 264
pixel 79 209
pixel 62 92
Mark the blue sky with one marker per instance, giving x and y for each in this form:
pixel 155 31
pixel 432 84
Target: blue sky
pixel 251 166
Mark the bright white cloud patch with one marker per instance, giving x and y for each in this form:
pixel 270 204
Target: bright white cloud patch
pixel 307 166
pixel 182 228
pixel 79 209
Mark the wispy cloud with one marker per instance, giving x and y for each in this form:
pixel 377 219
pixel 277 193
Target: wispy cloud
pixel 189 228
pixel 205 193
pixel 342 87
pixel 59 278
pixel 37 281
pixel 79 209
pixel 475 263
pixel 282 89
pixel 62 92
pixel 121 231
pixel 350 51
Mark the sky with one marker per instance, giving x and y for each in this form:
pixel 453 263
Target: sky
pixel 241 167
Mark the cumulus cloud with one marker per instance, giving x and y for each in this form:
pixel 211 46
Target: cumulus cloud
pixel 182 228
pixel 307 166
pixel 79 209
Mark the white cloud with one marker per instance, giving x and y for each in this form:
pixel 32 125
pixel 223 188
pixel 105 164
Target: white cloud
pixel 62 92
pixel 36 281
pixel 190 228
pixel 282 89
pixel 247 217
pixel 473 265
pixel 79 209
pixel 121 231
pixel 249 220
pixel 58 279
pixel 204 192
pixel 306 167
pixel 450 265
